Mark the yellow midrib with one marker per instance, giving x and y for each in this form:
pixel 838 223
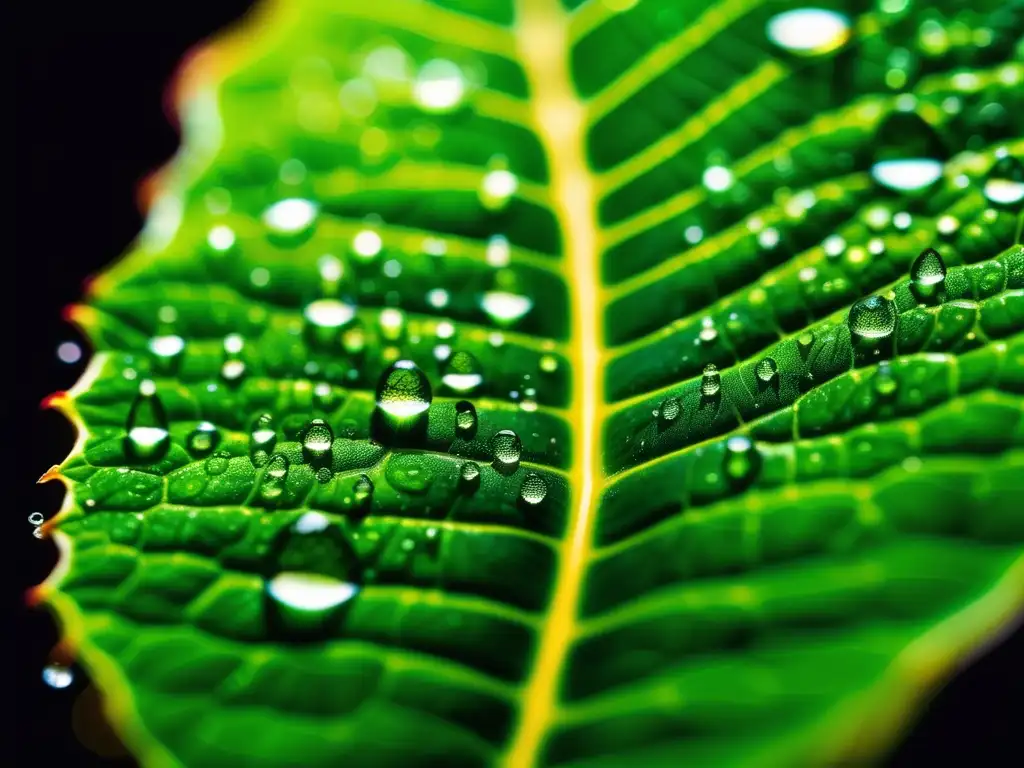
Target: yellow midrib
pixel 541 35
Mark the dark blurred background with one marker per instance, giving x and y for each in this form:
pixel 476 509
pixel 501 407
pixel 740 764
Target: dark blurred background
pixel 90 124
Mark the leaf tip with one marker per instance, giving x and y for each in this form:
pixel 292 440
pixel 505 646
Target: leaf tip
pixel 57 400
pixel 81 315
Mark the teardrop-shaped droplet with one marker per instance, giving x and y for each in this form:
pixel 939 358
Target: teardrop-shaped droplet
pixel 884 381
pixel 742 460
pixel 167 351
pixel 469 476
pixel 1004 185
pixel 262 439
pixel 203 440
pixel 506 448
pixel 316 572
pixel 809 31
pixel 873 318
pixel 504 307
pixel 534 489
pixel 403 396
pixel 669 411
pixel 58 676
pixel 148 438
pixel 908 153
pixel 928 273
pixel 465 419
pixel 462 373
pixel 218 463
pixel 274 478
pixel 317 440
pixel 710 381
pixel 804 342
pixel 325 318
pixel 767 369
pixel 363 489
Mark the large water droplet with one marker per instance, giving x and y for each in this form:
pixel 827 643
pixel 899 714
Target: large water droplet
pixel 262 439
pixel 203 439
pixel 669 411
pixel 928 274
pixel 908 174
pixel 167 351
pixel 742 460
pixel 290 218
pixel 505 308
pixel 465 419
pixel 403 396
pixel 363 489
pixel 907 152
pixel 873 318
pixel 1004 186
pixel 809 31
pixel 274 478
pixel 710 381
pixel 462 373
pixel 534 489
pixel 317 441
pixel 148 438
pixel 766 370
pixel 58 676
pixel 506 448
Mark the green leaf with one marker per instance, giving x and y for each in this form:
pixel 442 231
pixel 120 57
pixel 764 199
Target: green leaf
pixel 701 458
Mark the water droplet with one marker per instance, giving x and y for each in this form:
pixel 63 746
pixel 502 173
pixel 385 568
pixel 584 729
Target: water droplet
pixel 718 178
pixel 221 238
pixel 1004 186
pixel 148 437
pixel 549 363
pixel 317 441
pixel 742 460
pixel 669 411
pixel 58 676
pixel 873 318
pixel 809 31
pixel 167 350
pixel 462 373
pixel 36 518
pixel 403 396
pixel 291 217
pixel 907 149
pixel 440 86
pixel 363 489
pixel 505 308
pixel 506 449
pixel 409 473
pixel 498 253
pixel 469 476
pixel 498 185
pixel 465 418
pixel 884 381
pixel 534 489
pixel 262 439
pixel 804 342
pixel 710 381
pixel 366 244
pixel 392 323
pixel 928 273
pixel 766 369
pixel 203 439
pixel 232 371
pixel 218 463
pixel 907 175
pixel 328 314
pixel 274 477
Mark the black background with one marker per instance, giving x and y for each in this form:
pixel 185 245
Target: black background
pixel 89 125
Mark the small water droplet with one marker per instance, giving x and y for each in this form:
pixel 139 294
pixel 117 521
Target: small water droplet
pixel 928 273
pixel 292 218
pixel 809 31
pixel 465 418
pixel 907 149
pixel 767 369
pixel 718 178
pixel 549 363
pixel 498 185
pixel 262 439
pixel 203 439
pixel 505 308
pixel 328 315
pixel 363 489
pixel 218 463
pixel 534 489
pixel 742 460
pixel 884 381
pixel 873 318
pixel 804 342
pixel 669 411
pixel 506 448
pixel 403 395
pixel 274 477
pixel 167 351
pixel 1004 185
pixel 148 438
pixel 469 476
pixel 58 676
pixel 440 86
pixel 232 371
pixel 317 441
pixel 462 373
pixel 710 381
pixel 409 473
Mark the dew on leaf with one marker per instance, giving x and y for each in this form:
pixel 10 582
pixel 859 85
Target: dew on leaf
pixel 766 370
pixel 1004 185
pixel 293 216
pixel 498 254
pixel 928 273
pixel 363 489
pixel 884 381
pixel 462 373
pixel 58 676
pixel 465 418
pixel 440 86
pixel 148 437
pixel 548 363
pixel 221 238
pixel 506 448
pixel 218 463
pixel 403 395
pixel 392 323
pixel 669 411
pixel 409 473
pixel 203 439
pixel 317 440
pixel 710 380
pixel 469 475
pixel 274 477
pixel 907 152
pixel 873 318
pixel 262 439
pixel 809 31
pixel 167 350
pixel 505 308
pixel 328 313
pixel 533 489
pixel 717 178
pixel 742 460
pixel 232 371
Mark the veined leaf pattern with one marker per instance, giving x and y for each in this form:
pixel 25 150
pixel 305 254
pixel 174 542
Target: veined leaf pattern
pixel 701 457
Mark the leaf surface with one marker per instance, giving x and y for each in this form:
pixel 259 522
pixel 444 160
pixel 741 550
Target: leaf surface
pixel 763 488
